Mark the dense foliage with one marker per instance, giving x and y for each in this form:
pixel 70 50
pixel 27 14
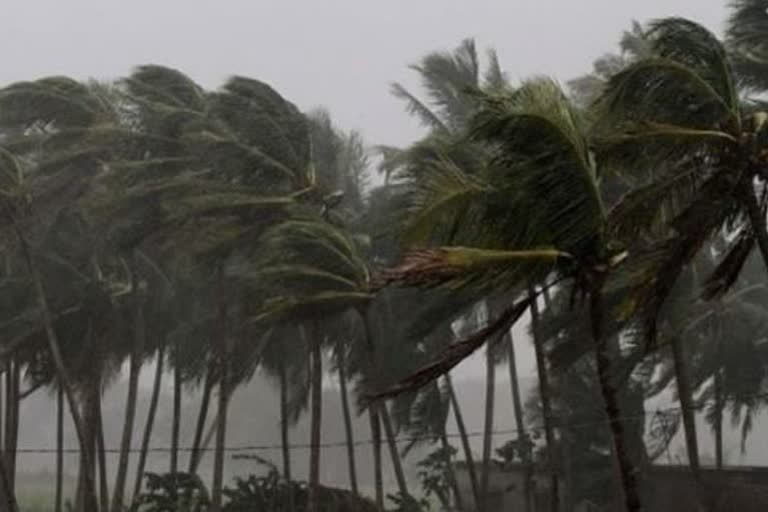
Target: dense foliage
pixel 221 233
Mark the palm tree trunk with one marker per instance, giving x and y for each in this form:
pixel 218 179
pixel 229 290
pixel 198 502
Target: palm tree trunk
pixel 627 470
pixel 471 469
pixel 546 400
pixel 490 399
pixel 221 423
pixel 450 473
pixel 381 408
pixel 151 412
pixel 378 480
pixel 718 420
pixel 757 221
pixel 6 491
pixel 59 500
pixel 719 399
pixel 2 402
pixel 313 505
pixel 58 361
pixel 205 447
pixel 685 395
pixel 284 437
pixel 101 450
pixel 11 420
pixel 176 425
pixel 88 472
pixel 341 363
pixel 126 439
pixel 394 453
pixel 202 417
pixel 517 405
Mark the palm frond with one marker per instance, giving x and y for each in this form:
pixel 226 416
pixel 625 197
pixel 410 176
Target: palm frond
pixel 494 78
pixel 728 270
pixel 453 265
pixel 442 192
pixel 663 91
pixel 163 85
pixel 542 156
pixel 457 352
pixel 700 51
pixel 415 107
pixel 746 30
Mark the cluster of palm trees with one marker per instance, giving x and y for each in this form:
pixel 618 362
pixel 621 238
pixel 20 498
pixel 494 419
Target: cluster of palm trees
pixel 630 212
pixel 223 233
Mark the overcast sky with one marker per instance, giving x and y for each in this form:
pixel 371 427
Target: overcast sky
pixel 341 54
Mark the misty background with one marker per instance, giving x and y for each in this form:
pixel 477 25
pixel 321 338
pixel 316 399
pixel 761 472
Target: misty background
pixel 341 55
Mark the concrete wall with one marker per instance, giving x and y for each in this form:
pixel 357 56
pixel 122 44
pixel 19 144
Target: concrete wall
pixel 506 489
pixel 665 489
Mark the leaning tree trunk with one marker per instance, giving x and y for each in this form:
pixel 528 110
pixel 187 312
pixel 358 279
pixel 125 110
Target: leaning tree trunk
pixel 221 423
pixel 394 454
pixel 345 409
pixel 627 469
pixel 685 395
pixel 139 336
pixel 59 500
pixel 284 422
pixel 88 472
pixel 546 399
pixel 313 504
pixel 284 434
pixel 381 407
pixel 517 406
pixel 11 420
pixel 102 456
pixel 719 405
pixel 202 417
pixel 757 220
pixel 450 473
pixel 471 469
pixel 7 492
pixel 176 422
pixel 378 481
pixel 490 399
pixel 54 348
pixel 150 420
pixel 718 427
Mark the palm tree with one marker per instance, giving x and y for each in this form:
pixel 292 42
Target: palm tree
pixel 139 332
pixel 341 364
pixel 706 153
pixel 545 394
pixel 564 233
pixel 745 30
pixel 150 422
pixel 221 180
pixel 286 360
pixel 317 271
pixel 517 405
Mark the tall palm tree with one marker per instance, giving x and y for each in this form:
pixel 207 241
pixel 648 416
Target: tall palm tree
pixel 542 371
pixel 285 359
pixel 542 158
pixel 704 151
pixel 317 271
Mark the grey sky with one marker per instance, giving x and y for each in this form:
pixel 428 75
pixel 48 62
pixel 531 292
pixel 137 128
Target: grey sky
pixel 341 54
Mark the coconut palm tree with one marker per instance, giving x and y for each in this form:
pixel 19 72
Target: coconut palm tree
pixel 225 175
pixel 542 158
pixel 746 27
pixel 707 158
pixel 707 150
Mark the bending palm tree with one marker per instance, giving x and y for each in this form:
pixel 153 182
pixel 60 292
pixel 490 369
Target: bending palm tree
pixel 552 220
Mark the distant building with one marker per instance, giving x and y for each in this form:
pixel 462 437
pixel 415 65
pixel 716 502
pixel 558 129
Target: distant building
pixel 665 489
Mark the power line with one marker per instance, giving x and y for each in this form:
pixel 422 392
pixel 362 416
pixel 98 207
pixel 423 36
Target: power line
pixel 405 439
